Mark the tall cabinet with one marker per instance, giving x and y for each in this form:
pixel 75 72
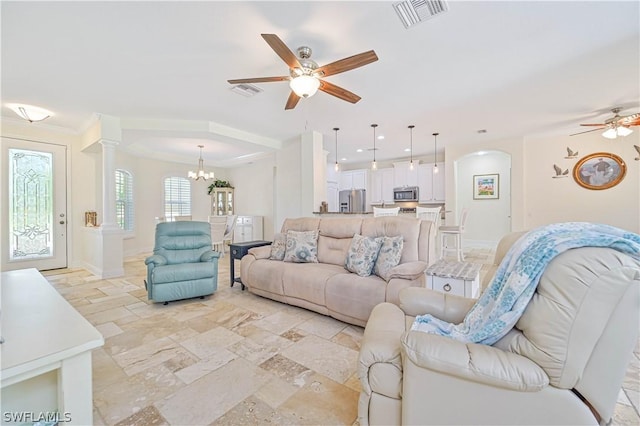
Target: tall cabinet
pixel 222 201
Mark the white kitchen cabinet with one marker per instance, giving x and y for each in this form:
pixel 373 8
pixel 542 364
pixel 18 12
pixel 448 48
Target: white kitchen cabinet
pixel 403 175
pixel 248 228
pixel 381 187
pixel 430 185
pixel 332 196
pixel 353 179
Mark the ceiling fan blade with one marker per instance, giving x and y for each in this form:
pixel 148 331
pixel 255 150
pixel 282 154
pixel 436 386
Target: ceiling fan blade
pixel 282 50
pixel 338 92
pixel 292 101
pixel 259 80
pixel 347 64
pixel 598 124
pixel 630 120
pixel 592 130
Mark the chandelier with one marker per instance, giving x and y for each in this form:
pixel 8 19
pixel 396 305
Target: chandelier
pixel 200 173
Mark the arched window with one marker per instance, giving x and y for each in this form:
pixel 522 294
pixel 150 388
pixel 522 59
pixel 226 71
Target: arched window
pixel 177 197
pixel 124 200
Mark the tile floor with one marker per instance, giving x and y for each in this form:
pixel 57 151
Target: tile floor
pixel 231 359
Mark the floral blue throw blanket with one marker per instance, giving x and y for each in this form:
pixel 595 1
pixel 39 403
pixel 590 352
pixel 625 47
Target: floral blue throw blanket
pixel 515 281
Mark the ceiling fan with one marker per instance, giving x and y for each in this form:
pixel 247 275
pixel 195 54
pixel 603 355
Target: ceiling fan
pixel 305 76
pixel 615 126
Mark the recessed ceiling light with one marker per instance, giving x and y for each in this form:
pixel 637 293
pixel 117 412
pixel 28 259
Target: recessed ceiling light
pixel 381 137
pixel 407 149
pixel 359 150
pixel 343 159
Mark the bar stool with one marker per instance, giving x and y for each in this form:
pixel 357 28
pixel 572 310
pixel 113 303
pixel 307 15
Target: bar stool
pixel 456 231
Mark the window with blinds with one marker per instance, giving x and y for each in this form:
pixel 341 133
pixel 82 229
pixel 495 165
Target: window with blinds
pixel 177 197
pixel 124 200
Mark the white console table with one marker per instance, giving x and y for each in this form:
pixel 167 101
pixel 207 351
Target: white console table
pixel 43 335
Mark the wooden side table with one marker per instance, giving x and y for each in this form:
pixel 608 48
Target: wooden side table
pixel 237 251
pixel 458 278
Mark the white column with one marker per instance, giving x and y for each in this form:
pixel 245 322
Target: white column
pixel 108 184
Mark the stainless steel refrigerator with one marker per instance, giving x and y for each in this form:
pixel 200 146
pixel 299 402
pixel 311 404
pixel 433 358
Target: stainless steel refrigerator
pixel 352 200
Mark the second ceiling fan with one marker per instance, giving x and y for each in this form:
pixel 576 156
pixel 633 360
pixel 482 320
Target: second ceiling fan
pixel 305 76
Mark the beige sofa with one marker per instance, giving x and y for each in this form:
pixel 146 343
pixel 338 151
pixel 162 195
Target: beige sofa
pixel 563 363
pixel 327 287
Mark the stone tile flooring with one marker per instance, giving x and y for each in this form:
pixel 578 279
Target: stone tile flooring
pixel 230 359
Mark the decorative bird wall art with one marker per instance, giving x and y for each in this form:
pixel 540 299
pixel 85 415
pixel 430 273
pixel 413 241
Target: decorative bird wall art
pixel 638 150
pixel 559 172
pixel 571 154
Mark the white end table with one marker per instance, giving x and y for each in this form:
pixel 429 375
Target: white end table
pixel 458 278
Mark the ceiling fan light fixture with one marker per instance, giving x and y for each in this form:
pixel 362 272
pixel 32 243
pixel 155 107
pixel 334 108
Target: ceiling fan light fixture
pixel 200 173
pixel 305 86
pixel 614 132
pixel 624 131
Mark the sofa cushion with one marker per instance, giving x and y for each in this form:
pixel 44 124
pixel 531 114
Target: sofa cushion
pixel 278 247
pixel 312 287
pixel 354 296
pixel 333 250
pixel 362 255
pixel 389 256
pixel 408 227
pixel 302 247
pixel 300 224
pixel 340 227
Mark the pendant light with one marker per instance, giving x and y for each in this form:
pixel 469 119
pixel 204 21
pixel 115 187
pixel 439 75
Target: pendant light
pixel 335 129
pixel 411 145
pixel 435 149
pixel 200 173
pixel 374 165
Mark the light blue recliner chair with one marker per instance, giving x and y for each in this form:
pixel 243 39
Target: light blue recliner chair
pixel 183 264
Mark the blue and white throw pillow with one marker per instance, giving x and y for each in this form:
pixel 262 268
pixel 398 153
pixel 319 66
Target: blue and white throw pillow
pixel 302 247
pixel 389 256
pixel 362 254
pixel 278 247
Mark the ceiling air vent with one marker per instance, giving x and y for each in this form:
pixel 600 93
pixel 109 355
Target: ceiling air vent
pixel 247 90
pixel 412 12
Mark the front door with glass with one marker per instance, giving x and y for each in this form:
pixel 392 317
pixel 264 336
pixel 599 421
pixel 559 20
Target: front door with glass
pixel 34 216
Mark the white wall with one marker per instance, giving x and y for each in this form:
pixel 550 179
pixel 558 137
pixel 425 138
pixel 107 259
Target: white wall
pixel 254 191
pixel 551 200
pixel 81 180
pixel 538 199
pixel 148 196
pixel 489 219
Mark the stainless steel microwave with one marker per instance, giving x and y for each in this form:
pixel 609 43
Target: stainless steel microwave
pixel 407 193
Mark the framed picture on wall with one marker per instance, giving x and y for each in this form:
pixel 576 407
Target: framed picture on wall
pixel 600 170
pixel 486 187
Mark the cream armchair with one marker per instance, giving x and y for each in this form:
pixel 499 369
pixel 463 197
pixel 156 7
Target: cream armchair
pixel 563 363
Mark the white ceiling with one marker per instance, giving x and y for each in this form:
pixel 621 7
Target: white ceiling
pixel 516 69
